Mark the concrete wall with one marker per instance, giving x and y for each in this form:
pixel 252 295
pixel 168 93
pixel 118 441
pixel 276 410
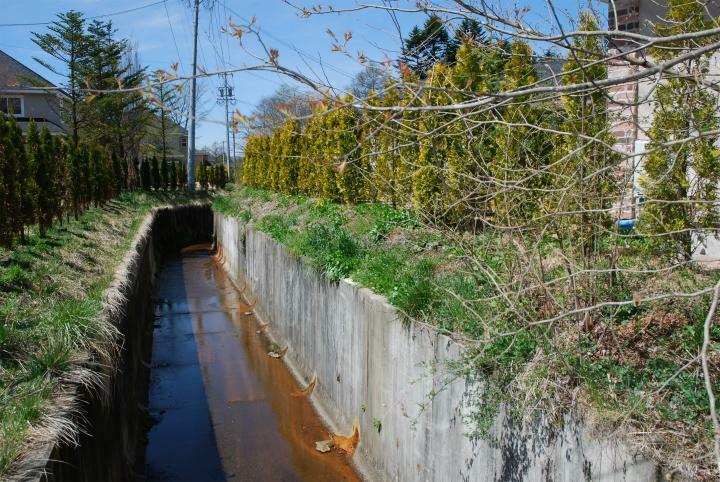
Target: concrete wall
pixel 373 366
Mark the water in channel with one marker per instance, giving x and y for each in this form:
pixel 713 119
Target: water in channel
pixel 221 406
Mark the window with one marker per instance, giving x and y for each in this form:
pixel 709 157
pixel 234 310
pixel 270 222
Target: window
pixel 183 142
pixel 11 105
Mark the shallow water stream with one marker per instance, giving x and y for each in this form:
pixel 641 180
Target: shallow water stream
pixel 221 406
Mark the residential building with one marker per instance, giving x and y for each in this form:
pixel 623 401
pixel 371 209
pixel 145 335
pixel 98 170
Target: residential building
pixel 23 96
pixel 176 140
pixel 632 107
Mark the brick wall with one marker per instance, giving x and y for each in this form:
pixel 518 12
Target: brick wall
pixel 622 107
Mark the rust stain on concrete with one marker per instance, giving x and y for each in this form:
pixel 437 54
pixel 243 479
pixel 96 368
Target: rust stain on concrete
pixel 262 432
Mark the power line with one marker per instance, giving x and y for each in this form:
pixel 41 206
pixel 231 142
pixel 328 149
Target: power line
pixel 172 32
pixel 300 52
pixel 37 24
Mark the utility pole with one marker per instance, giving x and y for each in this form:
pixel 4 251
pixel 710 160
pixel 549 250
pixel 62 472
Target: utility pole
pixel 226 95
pixel 193 83
pixel 233 151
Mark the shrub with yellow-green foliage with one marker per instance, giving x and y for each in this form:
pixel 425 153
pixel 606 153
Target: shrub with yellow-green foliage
pixel 428 179
pixel 583 183
pixel 524 147
pixel 289 155
pixel 678 169
pixel 344 159
pixel 457 166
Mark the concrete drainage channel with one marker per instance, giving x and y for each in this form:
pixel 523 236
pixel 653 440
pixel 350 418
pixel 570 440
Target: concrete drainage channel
pixel 217 352
pixel 195 395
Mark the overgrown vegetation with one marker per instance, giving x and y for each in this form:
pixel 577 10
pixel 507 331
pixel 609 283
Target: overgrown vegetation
pixel 629 364
pixel 51 293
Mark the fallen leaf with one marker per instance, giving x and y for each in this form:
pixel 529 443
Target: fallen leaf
pixel 324 446
pixel 276 354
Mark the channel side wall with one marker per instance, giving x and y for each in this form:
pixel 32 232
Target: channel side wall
pixel 390 375
pixel 110 420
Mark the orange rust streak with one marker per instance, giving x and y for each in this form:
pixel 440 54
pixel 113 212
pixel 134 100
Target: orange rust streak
pixel 348 444
pixel 261 432
pixel 197 247
pixel 307 390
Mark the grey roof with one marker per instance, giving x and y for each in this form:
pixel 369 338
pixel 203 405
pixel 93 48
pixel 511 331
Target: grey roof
pixel 549 70
pixel 14 75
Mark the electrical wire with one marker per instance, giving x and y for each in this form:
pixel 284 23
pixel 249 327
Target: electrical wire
pixel 172 33
pixel 36 24
pixel 300 52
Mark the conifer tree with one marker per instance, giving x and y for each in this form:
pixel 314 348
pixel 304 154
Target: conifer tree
pixel 428 178
pixel 328 161
pixel 94 175
pixel 344 155
pixel 385 127
pixel 468 32
pixel 165 174
pixel 47 171
pixel 202 176
pixel 427 46
pixel 183 176
pixel 248 165
pixel 173 174
pixel 77 171
pixel 408 142
pixel 262 161
pixel 156 179
pixel 289 138
pixel 27 187
pixel 274 161
pixel 145 175
pixel 221 177
pixel 68 43
pixel 582 173
pixel 310 161
pixel 524 150
pixel 118 174
pixel 9 193
pixel 678 172
pixel 58 152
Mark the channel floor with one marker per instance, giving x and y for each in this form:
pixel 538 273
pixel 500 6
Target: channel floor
pixel 221 407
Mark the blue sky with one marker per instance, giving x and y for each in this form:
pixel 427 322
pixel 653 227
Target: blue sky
pixel 163 35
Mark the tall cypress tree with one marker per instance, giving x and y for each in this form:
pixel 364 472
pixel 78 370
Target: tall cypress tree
pixel 57 154
pixel 156 179
pixel 344 154
pixel 183 175
pixel 202 176
pixel 682 175
pixel 583 171
pixel 427 180
pixel 165 174
pixel 42 148
pixel 26 180
pixel 173 176
pixel 9 194
pixel 145 175
pixel 118 180
pixel 385 175
pixel 289 154
pixel 524 150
